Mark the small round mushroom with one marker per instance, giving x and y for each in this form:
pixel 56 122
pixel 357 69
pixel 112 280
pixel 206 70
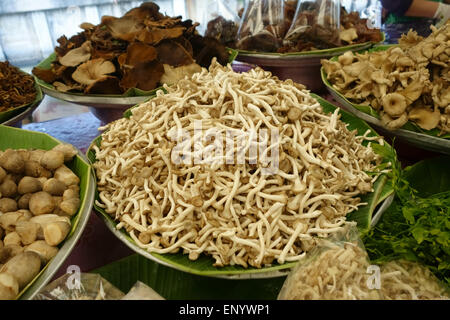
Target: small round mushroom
pixel 12 238
pixel 52 159
pixel 70 206
pixel 2 174
pixel 27 231
pixel 29 185
pixel 9 220
pixel 67 149
pixel 54 187
pixel 34 169
pixel 394 104
pixel 9 287
pixel 8 188
pixel 41 203
pixel 12 161
pixel 70 193
pixel 66 175
pixel 24 200
pixel 56 232
pixel 8 205
pixel 36 155
pixel 43 250
pixel 23 267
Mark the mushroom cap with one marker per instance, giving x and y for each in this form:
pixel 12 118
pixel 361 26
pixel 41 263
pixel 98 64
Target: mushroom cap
pixel 348 35
pixel 154 36
pixel 137 53
pixel 174 74
pixel 93 70
pixel 425 117
pixel 392 123
pixel 76 56
pixel 173 53
pixel 144 76
pixel 347 58
pixel 413 91
pixel 394 104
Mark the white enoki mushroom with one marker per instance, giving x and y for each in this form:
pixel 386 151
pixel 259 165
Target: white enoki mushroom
pixel 404 280
pixel 232 212
pixel 334 272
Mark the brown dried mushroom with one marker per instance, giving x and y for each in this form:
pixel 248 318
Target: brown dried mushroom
pixel 128 52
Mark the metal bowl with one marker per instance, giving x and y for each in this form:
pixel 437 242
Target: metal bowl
pixel 14 117
pixel 16 121
pixel 104 108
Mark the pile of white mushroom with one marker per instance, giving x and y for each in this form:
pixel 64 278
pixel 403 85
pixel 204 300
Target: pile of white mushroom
pixel 333 272
pixel 405 280
pixel 233 212
pixel 409 82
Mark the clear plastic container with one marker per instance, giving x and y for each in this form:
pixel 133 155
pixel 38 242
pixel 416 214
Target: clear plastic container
pixel 262 26
pixel 316 21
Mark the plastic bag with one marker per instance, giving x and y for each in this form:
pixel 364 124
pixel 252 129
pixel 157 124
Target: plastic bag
pixel 316 22
pixel 262 26
pixel 223 21
pixel 140 291
pixel 406 280
pixel 88 286
pixel 336 269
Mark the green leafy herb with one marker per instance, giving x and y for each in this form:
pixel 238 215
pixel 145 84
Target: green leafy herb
pixel 414 228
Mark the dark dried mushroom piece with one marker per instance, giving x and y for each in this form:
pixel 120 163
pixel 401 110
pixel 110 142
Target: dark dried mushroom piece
pixel 142 38
pixel 144 76
pixel 172 53
pixel 46 75
pixel 105 85
pixel 147 10
pixel 137 53
pixel 206 48
pixel 156 35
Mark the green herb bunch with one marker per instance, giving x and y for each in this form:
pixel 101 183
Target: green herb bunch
pixel 414 228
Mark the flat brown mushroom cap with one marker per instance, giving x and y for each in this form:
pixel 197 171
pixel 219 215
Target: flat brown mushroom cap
pixel 144 76
pixel 154 36
pixel 174 54
pixel 147 10
pixel 46 75
pixel 139 52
